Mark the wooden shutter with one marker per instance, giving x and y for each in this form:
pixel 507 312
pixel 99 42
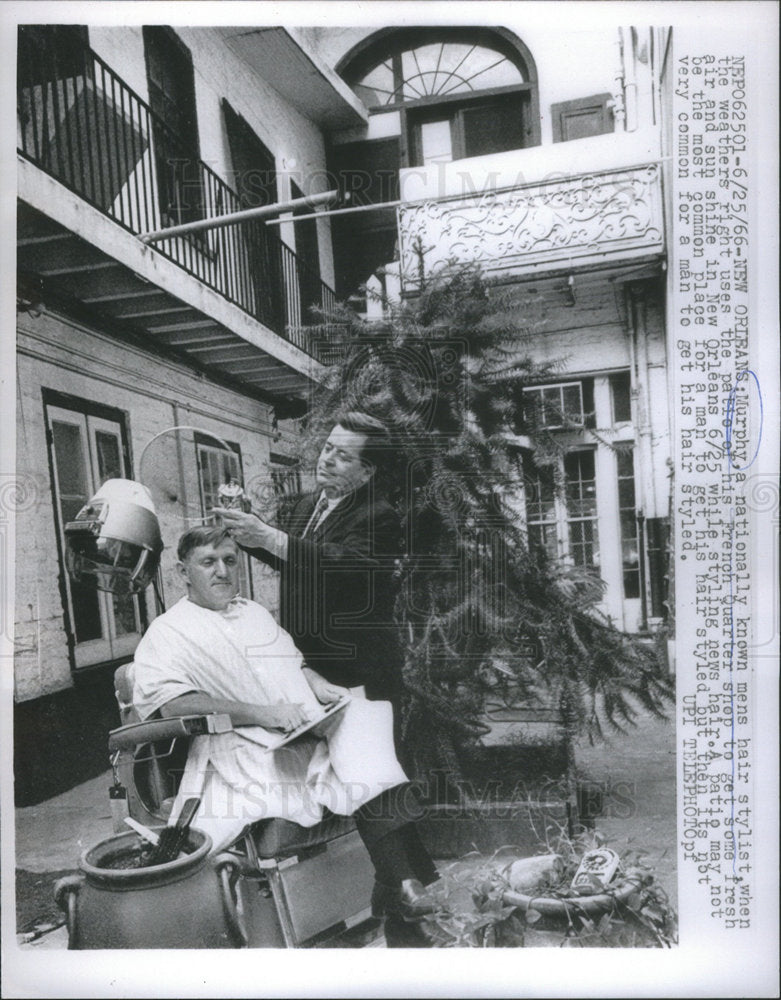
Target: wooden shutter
pixel 581 118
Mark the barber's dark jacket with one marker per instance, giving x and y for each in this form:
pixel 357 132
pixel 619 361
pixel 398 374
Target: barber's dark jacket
pixel 338 590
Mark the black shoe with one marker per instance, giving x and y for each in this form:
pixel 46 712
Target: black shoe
pixel 407 900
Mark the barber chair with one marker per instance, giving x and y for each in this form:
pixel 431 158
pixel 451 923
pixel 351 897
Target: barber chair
pixel 294 886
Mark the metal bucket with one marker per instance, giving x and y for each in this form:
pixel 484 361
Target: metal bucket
pixel 186 903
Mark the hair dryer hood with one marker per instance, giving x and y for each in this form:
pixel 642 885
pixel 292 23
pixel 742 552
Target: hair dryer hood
pixel 115 542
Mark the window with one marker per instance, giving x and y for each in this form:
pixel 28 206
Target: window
pixel 475 128
pixel 254 166
pixel 558 406
pixel 541 513
pixel 581 118
pixel 630 547
pixel 435 95
pixel 620 397
pixel 169 70
pixel 217 466
pixel 88 446
pixel 563 523
pixel 581 508
pixel 438 68
pixel 461 91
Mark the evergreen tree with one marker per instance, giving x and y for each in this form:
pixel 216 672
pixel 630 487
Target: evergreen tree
pixel 478 609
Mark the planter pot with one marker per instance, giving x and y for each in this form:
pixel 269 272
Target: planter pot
pixel 186 903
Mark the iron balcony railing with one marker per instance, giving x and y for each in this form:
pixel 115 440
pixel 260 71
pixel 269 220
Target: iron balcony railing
pixel 79 122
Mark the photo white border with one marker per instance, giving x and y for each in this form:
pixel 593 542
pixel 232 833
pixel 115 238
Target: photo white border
pixel 707 962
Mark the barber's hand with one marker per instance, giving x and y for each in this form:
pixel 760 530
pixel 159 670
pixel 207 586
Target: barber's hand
pixel 285 716
pixel 247 529
pixel 323 690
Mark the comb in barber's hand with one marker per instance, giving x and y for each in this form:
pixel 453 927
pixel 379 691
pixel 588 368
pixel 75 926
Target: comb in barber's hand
pixel 173 838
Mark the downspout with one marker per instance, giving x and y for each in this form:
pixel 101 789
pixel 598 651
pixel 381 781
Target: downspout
pixel 180 465
pixel 638 352
pixel 619 104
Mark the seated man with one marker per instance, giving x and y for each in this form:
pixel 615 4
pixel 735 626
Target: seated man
pixel 216 652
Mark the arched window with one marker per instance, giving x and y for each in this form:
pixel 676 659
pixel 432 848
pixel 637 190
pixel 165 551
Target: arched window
pixel 434 94
pixel 459 92
pixel 436 69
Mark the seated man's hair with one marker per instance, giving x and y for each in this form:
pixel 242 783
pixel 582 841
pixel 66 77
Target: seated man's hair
pixel 378 439
pixel 204 534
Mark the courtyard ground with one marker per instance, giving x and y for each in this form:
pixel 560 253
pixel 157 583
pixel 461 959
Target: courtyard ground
pixel 630 778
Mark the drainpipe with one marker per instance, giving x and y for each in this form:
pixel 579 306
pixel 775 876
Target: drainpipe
pixel 619 102
pixel 180 465
pixel 641 543
pixel 627 78
pixel 636 316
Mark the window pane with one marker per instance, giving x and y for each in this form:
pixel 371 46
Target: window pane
pixel 630 550
pixel 620 394
pixel 581 488
pixel 435 142
pixel 495 127
pixel 583 544
pixel 540 494
pixel 109 458
pixel 581 500
pixel 631 583
pixel 72 494
pixel 551 407
pixel 125 620
pixel 625 462
pixel 69 449
pixel 573 407
pixel 440 69
pixel 86 612
pixel 626 493
pixel 377 86
pixel 542 537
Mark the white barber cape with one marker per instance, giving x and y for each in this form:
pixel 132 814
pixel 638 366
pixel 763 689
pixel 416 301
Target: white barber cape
pixel 241 654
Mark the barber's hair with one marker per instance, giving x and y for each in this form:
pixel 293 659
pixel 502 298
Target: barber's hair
pixel 203 534
pixel 376 450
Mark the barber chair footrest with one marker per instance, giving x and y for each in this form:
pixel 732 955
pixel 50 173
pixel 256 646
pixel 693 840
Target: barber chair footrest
pixel 328 889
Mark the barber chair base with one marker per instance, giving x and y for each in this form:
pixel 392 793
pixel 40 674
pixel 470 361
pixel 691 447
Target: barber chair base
pixel 303 898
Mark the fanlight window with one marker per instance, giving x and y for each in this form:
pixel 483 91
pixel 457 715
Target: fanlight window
pixel 436 69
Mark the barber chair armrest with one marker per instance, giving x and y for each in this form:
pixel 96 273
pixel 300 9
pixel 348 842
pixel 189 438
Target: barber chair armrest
pixel 128 737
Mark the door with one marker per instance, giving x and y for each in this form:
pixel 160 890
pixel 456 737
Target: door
pixel 86 450
pixel 255 181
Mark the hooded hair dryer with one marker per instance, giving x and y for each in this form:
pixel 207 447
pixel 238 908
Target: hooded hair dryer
pixel 114 542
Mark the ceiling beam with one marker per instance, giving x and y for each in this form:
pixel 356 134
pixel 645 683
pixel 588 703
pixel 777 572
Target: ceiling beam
pixel 74 268
pixel 115 296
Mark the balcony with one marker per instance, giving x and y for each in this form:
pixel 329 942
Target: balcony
pixel 89 133
pixel 529 212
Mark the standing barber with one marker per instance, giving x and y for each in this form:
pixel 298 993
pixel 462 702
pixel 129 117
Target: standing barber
pixel 335 550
